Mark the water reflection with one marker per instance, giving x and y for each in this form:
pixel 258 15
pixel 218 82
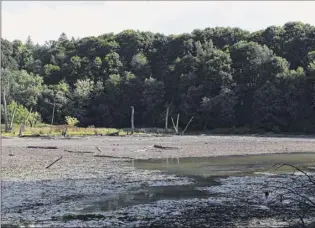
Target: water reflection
pixel 225 165
pixel 145 196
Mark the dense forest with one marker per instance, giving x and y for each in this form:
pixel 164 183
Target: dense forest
pixel 224 77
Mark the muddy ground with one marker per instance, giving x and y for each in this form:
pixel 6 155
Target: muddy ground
pixel 98 183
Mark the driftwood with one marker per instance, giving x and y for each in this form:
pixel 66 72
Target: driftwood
pixel 53 163
pixel 108 156
pixel 99 150
pixel 165 147
pixel 79 152
pixel 43 147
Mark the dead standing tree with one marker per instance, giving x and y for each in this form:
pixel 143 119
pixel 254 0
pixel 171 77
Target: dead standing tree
pixel 176 127
pixel 167 115
pixel 132 119
pixel 191 119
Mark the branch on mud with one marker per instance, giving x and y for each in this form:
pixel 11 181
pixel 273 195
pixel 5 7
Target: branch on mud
pixel 298 169
pixel 108 156
pixel 53 162
pixel 43 147
pixel 79 152
pixel 295 193
pixel 166 147
pixel 99 150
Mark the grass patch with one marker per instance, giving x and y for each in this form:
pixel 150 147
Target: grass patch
pixel 56 130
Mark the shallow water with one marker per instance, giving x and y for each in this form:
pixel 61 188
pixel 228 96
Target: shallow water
pixel 227 165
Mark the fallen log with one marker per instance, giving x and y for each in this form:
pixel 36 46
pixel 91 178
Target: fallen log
pixel 108 156
pixel 79 152
pixel 53 162
pixel 43 147
pixel 165 147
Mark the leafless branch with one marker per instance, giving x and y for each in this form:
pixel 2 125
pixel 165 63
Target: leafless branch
pixel 53 162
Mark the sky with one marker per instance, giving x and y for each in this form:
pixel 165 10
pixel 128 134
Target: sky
pixel 44 21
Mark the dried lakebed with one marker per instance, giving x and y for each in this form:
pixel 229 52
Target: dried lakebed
pixel 205 182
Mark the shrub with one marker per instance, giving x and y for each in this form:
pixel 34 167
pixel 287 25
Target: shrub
pixel 71 121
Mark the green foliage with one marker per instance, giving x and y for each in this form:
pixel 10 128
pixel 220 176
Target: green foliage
pixel 72 121
pixel 225 77
pixel 22 87
pixel 19 113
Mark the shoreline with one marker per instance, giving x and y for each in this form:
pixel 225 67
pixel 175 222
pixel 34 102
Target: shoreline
pixel 19 161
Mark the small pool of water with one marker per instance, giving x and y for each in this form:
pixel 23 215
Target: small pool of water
pixel 204 171
pixel 227 165
pixel 143 196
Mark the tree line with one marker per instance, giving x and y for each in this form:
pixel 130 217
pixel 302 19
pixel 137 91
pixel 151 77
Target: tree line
pixel 224 77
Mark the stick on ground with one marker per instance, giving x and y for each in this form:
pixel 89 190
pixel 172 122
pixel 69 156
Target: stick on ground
pixel 108 156
pixel 79 152
pixel 53 162
pixel 166 147
pixel 43 147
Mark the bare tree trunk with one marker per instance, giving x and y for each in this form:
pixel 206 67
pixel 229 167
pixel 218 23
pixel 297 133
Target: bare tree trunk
pixel 6 128
pixel 53 112
pixel 177 122
pixel 174 125
pixel 25 121
pixel 188 124
pixel 12 117
pixel 166 116
pixel 132 119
